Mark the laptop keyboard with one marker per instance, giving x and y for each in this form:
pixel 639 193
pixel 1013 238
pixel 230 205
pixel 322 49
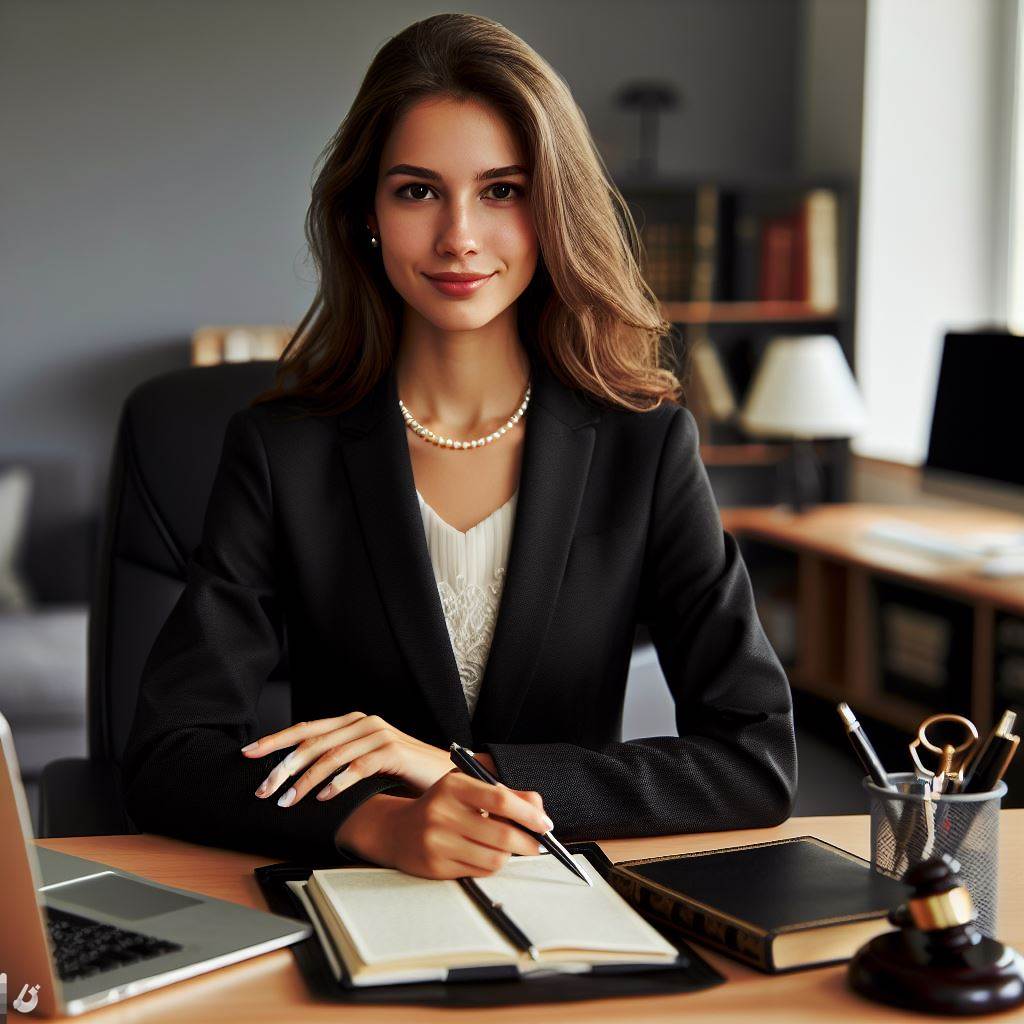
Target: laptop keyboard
pixel 83 947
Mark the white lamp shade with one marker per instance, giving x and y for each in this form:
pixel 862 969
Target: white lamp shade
pixel 803 388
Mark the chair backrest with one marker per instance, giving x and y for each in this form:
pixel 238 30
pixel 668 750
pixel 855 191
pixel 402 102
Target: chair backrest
pixel 166 452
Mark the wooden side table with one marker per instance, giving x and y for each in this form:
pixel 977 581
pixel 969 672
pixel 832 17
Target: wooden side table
pixel 837 574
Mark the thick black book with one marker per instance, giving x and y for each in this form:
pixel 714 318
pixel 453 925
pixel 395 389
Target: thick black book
pixel 777 906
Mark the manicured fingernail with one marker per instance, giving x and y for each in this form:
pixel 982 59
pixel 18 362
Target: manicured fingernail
pixel 541 849
pixel 286 800
pixel 251 746
pixel 548 823
pixel 262 791
pixel 324 793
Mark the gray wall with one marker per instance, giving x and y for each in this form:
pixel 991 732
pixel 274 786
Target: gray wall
pixel 156 161
pixel 830 88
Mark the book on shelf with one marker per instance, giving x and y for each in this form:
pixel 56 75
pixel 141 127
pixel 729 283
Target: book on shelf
pixel 712 396
pixel 239 343
pixel 924 646
pixel 821 246
pixel 800 254
pixel 916 634
pixel 706 232
pixel 778 242
pixel 379 926
pixel 668 259
pixel 705 243
pixel 914 628
pixel 747 260
pixel 927 672
pixel 713 391
pixel 916 645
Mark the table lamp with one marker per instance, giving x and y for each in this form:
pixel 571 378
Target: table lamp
pixel 803 390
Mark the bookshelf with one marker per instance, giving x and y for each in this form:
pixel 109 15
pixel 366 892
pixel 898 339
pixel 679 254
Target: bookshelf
pixel 735 262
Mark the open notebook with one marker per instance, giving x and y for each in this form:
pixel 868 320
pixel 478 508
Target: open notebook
pixel 382 927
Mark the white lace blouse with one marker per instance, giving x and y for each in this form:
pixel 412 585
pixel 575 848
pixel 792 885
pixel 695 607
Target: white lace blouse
pixel 470 572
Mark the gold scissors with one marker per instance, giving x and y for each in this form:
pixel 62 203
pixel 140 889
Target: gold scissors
pixel 952 756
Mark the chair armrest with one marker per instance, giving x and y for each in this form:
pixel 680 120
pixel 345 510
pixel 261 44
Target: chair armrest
pixel 80 797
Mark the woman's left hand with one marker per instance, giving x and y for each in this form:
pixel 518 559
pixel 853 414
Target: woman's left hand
pixel 366 743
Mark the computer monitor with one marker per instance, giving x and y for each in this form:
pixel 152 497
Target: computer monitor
pixel 976 448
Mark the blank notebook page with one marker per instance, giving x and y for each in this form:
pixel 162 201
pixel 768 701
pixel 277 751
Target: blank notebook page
pixel 390 915
pixel 558 910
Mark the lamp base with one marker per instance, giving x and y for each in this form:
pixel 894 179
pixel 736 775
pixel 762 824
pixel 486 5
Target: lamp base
pixel 804 483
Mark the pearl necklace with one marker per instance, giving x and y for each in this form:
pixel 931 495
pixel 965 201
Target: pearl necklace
pixel 446 442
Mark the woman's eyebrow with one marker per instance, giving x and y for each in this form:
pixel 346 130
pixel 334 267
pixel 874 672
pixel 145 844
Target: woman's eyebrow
pixel 425 172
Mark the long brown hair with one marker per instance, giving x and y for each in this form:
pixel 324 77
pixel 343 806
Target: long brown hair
pixel 587 311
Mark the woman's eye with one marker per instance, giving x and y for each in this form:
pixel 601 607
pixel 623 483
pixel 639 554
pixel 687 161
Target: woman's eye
pixel 409 188
pixel 420 192
pixel 514 191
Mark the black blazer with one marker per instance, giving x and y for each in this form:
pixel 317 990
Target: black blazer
pixel 313 528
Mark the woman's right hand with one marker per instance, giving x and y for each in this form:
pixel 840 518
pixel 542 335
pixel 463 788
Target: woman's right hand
pixel 442 834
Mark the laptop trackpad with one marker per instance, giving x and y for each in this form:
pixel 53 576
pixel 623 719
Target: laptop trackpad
pixel 118 896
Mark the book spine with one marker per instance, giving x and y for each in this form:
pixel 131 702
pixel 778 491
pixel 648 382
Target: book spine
pixel 705 245
pixel 748 260
pixel 694 923
pixel 822 217
pixel 708 369
pixel 776 259
pixel 799 289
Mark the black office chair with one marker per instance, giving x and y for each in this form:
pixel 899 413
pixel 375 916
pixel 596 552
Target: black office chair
pixel 165 455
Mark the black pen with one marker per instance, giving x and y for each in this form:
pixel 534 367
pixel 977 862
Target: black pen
pixel 902 825
pixel 989 765
pixel 466 762
pixel 496 914
pixel 863 749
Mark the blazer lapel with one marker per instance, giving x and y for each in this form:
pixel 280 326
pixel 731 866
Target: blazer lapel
pixel 384 491
pixel 555 464
pixel 557 450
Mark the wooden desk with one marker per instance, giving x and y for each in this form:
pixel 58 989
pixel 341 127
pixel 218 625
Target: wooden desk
pixel 271 988
pixel 837 532
pixel 836 568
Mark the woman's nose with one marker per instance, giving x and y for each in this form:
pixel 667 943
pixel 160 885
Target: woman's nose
pixel 458 235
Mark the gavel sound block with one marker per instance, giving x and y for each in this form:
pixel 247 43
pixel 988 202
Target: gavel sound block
pixel 937 961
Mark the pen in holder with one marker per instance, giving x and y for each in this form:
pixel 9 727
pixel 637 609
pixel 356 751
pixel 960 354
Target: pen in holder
pixel 908 827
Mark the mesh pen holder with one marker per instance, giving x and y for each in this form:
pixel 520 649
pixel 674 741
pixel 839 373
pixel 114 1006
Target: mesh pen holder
pixel 908 827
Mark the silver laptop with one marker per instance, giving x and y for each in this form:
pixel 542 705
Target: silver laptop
pixel 112 934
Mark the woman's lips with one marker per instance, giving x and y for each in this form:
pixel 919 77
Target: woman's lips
pixel 456 289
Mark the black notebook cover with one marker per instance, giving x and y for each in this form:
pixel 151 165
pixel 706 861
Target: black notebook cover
pixel 770 889
pixel 690 974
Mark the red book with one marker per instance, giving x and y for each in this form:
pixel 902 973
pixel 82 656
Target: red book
pixel 798 289
pixel 777 245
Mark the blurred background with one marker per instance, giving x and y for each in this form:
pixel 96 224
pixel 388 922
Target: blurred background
pixel 830 202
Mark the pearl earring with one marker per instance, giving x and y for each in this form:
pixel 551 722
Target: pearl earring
pixel 374 242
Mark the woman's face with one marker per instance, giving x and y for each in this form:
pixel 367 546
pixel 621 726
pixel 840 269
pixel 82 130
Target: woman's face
pixel 440 208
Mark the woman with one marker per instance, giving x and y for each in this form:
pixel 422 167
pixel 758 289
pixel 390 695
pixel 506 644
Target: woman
pixel 460 500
